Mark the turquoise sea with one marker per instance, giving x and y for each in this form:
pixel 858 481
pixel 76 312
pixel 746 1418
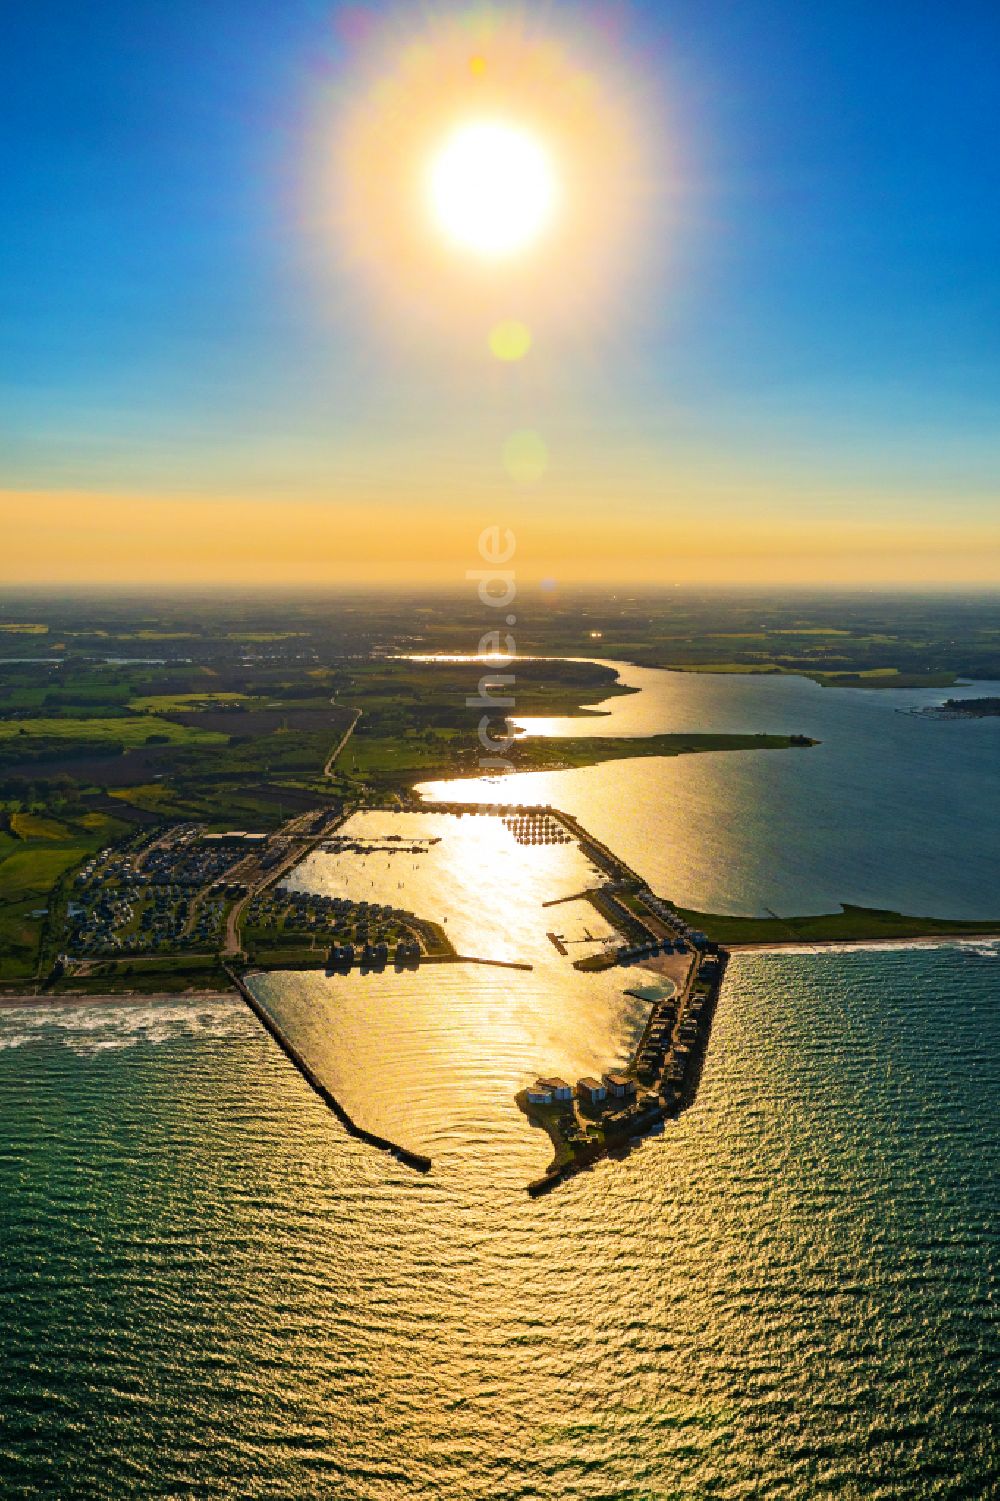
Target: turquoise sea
pixel 208 1290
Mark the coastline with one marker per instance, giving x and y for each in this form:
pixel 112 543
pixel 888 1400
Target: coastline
pixel 749 946
pixel 117 997
pixel 809 945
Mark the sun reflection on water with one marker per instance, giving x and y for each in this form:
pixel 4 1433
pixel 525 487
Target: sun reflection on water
pixel 433 1059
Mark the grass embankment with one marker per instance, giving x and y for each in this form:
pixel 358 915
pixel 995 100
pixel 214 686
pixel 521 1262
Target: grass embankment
pixel 851 924
pixel 303 957
pixel 161 975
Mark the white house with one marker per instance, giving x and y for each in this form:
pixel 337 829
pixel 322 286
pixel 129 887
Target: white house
pixel 558 1088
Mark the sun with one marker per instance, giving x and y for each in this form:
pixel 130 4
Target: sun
pixel 492 188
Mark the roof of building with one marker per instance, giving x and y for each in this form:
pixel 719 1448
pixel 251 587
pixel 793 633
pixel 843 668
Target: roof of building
pixel 552 1083
pixel 589 1083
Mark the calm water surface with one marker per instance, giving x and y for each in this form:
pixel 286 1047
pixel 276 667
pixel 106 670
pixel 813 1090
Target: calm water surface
pixel 420 1055
pixel 207 1289
pixel 892 809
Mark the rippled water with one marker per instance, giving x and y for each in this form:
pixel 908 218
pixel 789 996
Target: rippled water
pixel 893 809
pixel 433 1061
pixel 433 1058
pixel 208 1289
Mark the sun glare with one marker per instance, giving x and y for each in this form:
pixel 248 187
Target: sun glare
pixel 492 188
pixel 489 178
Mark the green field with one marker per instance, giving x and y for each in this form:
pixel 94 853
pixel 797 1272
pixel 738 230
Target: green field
pixel 27 877
pixel 167 703
pixel 130 730
pixel 35 826
pixel 33 872
pixel 850 924
pixel 34 857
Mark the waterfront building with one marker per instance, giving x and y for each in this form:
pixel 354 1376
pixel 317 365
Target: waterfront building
pixel 558 1088
pixel 538 1094
pixel 619 1086
pixel 591 1091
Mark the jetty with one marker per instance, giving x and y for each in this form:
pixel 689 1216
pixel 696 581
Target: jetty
pixel 416 1160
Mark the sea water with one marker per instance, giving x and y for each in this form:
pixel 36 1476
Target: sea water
pixel 208 1289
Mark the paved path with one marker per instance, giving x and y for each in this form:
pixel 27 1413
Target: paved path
pixel 328 768
pixel 299 845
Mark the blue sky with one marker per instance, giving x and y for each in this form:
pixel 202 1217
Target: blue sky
pixel 830 303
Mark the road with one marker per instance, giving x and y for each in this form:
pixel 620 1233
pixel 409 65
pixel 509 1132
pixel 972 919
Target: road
pixel 300 845
pixel 328 768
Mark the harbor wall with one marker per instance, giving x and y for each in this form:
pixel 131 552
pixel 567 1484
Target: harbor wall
pixel 416 1160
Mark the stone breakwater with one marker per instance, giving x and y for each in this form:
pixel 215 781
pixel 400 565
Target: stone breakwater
pixel 412 1159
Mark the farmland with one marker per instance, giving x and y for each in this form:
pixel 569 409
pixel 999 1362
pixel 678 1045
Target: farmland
pixel 125 715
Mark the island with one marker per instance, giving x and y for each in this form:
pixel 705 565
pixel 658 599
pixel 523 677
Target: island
pixel 965 708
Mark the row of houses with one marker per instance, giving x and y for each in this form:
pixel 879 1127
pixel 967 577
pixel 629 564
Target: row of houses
pixel 657 1041
pixel 342 956
pixel 647 950
pixel 668 915
pixel 589 1091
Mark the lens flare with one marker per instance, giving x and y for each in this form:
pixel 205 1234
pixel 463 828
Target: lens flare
pixel 525 457
pixel 510 341
pixel 486 160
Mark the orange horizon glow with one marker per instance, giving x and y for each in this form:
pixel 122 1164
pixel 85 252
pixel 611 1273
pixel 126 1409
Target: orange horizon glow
pixel 525 354
pixel 71 538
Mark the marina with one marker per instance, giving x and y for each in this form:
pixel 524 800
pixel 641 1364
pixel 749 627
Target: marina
pixel 658 1077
